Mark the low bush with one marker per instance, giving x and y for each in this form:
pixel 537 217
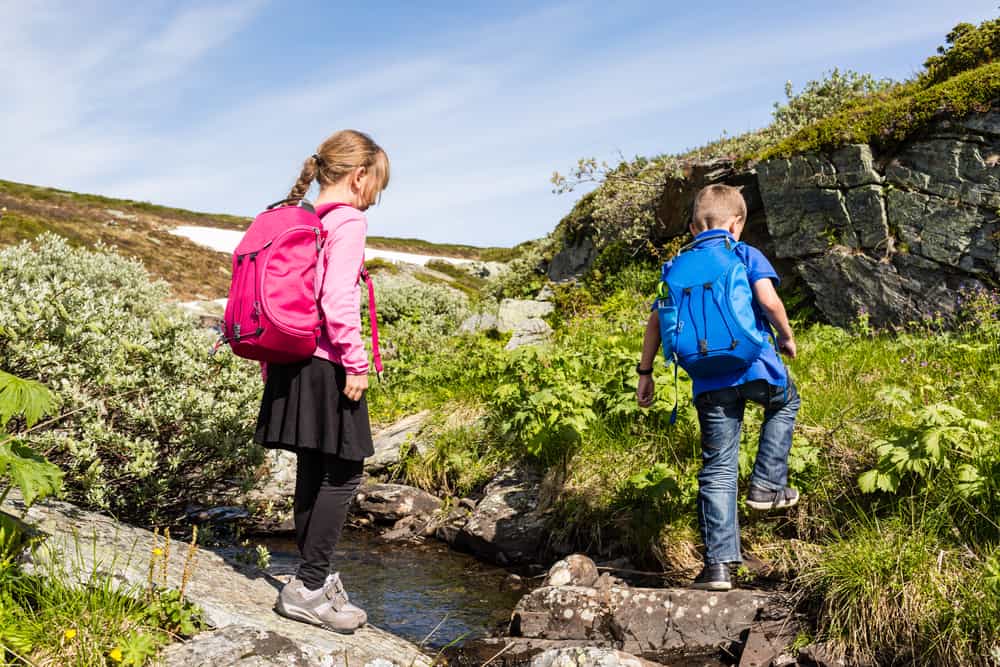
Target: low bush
pixel 146 419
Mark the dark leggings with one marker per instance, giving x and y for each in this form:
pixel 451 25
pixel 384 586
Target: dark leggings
pixel 324 488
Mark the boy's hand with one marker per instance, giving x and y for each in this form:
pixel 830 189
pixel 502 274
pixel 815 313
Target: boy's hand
pixel 645 391
pixel 788 347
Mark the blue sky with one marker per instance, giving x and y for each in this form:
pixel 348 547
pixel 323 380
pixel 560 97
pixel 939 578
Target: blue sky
pixel 213 105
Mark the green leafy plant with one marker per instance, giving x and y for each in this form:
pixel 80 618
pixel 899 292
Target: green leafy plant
pixel 34 476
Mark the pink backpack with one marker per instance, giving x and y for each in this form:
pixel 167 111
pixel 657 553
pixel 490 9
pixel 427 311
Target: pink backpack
pixel 272 314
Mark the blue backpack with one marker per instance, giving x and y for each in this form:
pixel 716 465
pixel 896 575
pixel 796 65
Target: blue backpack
pixel 705 305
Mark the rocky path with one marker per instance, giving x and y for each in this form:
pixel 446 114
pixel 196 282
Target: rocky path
pixel 238 601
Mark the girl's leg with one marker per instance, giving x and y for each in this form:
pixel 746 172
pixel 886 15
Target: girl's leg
pixel 323 496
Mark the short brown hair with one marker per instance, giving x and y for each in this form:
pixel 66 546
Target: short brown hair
pixel 715 205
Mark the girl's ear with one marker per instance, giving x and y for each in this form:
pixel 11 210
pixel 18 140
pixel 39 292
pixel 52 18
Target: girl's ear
pixel 358 178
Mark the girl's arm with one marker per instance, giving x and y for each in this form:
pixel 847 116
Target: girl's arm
pixel 340 297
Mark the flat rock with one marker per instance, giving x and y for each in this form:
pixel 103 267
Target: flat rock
pixel 242 646
pixel 388 503
pixel 514 313
pixel 230 594
pixel 507 526
pixel 479 322
pixel 391 441
pixel 648 622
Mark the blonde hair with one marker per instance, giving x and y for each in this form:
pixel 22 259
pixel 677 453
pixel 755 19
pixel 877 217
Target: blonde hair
pixel 337 157
pixel 716 205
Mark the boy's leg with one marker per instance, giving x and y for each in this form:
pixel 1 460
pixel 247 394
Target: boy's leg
pixel 770 470
pixel 720 414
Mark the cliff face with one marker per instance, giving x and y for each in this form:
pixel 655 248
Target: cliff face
pixel 898 235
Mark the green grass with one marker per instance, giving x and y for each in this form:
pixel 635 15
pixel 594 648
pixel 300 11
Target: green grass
pixel 457 250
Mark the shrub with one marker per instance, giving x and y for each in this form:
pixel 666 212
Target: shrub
pixel 147 420
pixel 434 308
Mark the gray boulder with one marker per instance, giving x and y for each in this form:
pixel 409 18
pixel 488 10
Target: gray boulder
pixel 508 526
pixel 392 440
pixel 514 313
pixel 242 646
pixel 572 260
pixel 479 322
pixel 388 503
pixel 229 593
pixel 534 331
pixel 649 622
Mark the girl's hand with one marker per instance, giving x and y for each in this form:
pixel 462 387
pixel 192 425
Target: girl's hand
pixel 355 386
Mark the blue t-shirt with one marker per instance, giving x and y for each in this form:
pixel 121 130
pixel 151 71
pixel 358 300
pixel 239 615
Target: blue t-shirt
pixel 768 365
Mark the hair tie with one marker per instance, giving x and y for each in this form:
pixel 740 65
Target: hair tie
pixel 319 160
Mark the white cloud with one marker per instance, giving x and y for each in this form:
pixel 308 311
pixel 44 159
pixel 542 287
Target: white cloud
pixel 474 123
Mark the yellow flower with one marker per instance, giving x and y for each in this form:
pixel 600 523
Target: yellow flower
pixel 69 634
pixel 116 654
pixel 157 551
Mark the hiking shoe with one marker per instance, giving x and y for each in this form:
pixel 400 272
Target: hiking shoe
pixel 713 577
pixel 762 499
pixel 327 607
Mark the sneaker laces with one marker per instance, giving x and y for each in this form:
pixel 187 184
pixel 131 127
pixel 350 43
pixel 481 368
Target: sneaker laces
pixel 333 588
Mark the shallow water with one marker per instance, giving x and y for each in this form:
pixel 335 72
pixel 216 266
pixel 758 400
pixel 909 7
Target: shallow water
pixel 414 591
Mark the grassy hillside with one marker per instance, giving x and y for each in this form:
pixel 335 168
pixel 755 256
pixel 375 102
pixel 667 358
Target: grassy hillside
pixel 142 230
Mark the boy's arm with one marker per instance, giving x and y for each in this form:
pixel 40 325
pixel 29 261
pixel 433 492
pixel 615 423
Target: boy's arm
pixel 650 344
pixel 774 310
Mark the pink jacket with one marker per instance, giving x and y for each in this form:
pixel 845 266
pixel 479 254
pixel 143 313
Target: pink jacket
pixel 338 290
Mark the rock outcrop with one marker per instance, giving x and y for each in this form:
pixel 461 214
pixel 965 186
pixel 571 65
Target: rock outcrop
pixel 507 527
pixel 388 503
pixel 391 441
pixel 896 235
pixel 81 543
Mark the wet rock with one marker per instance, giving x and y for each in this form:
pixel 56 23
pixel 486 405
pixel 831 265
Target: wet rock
pixel 479 322
pixel 574 570
pixel 388 503
pixel 507 526
pixel 446 526
pixel 767 643
pixel 392 440
pixel 534 331
pixel 649 622
pixel 226 595
pixel 515 313
pixel 588 656
pixel 217 515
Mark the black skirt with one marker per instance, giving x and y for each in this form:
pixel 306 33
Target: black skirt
pixel 304 408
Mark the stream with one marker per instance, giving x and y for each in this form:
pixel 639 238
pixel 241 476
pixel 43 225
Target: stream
pixel 423 592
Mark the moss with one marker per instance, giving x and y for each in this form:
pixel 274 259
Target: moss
pixel 891 119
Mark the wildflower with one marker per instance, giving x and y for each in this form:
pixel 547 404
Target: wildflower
pixel 69 634
pixel 116 654
pixel 157 551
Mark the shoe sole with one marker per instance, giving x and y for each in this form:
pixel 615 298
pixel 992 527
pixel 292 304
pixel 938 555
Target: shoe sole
pixel 713 586
pixel 304 617
pixel 784 504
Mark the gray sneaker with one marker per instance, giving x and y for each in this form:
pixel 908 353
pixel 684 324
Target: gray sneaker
pixel 327 607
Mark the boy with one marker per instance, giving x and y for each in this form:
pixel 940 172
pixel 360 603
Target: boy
pixel 718 218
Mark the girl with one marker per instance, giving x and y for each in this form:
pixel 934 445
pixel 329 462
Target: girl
pixel 317 407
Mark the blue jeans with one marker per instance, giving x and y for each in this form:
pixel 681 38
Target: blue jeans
pixel 720 414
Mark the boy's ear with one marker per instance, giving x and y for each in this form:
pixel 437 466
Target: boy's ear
pixel 692 229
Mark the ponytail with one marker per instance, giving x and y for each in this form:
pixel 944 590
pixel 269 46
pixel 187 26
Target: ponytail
pixel 337 157
pixel 310 169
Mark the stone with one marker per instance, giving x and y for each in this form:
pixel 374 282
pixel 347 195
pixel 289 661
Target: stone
pixel 407 528
pixel 573 570
pixel 822 654
pixel 588 656
pixel 222 588
pixel 217 515
pixel 446 526
pixel 391 441
pixel 514 313
pixel 121 215
pixel 242 646
pixel 507 527
pixel 388 503
pixel 572 260
pixel 866 210
pixel 648 622
pixel 534 331
pixel 767 641
pixel 855 166
pixel 546 293
pixel 479 322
